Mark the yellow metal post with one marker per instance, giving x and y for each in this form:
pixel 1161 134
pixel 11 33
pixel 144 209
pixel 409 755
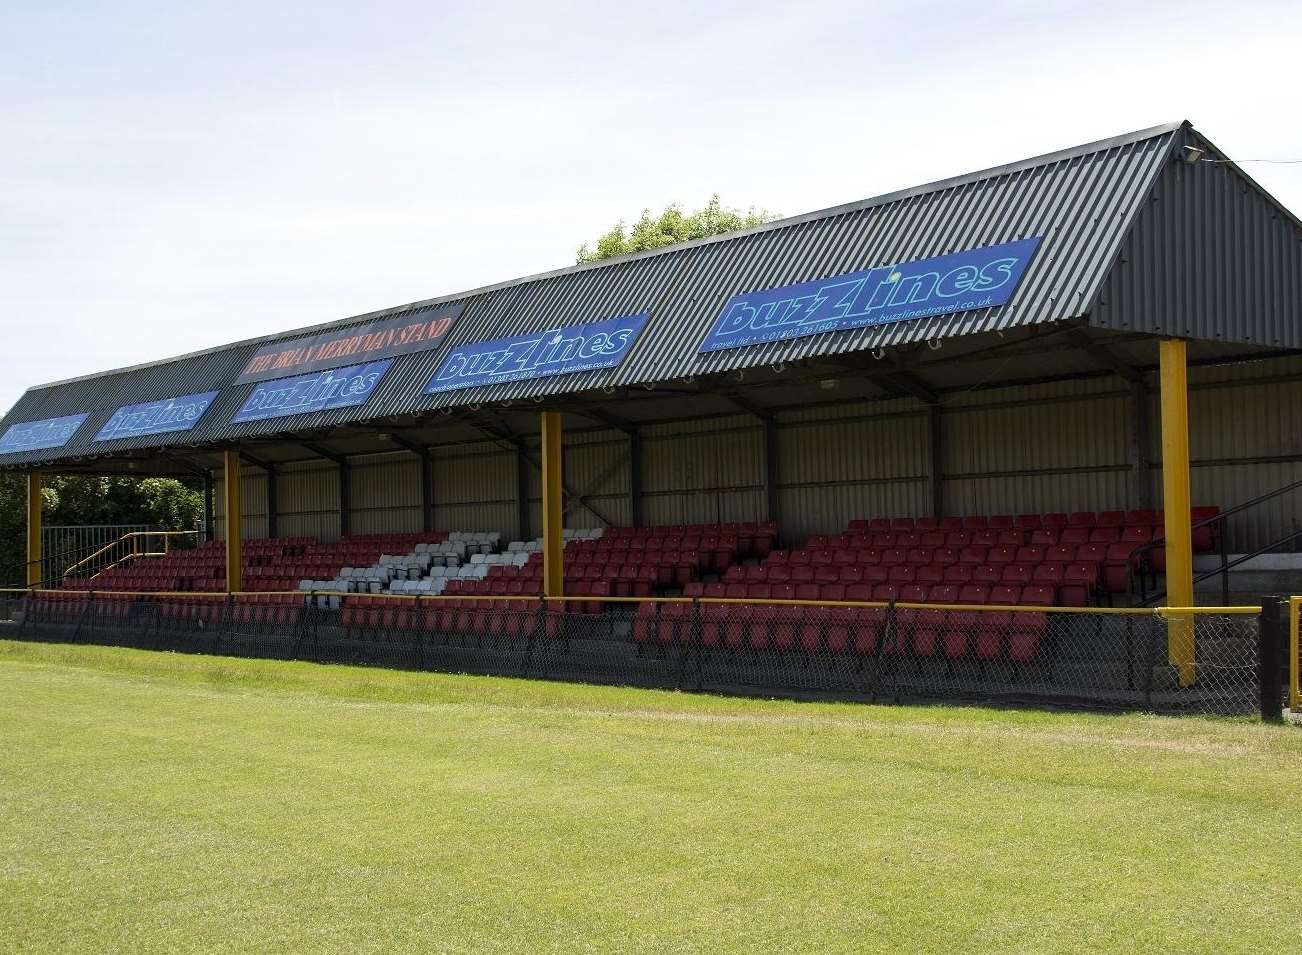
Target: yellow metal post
pixel 234 521
pixel 33 528
pixel 553 546
pixel 1294 683
pixel 1175 502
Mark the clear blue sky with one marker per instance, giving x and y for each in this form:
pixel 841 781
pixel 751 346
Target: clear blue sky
pixel 175 176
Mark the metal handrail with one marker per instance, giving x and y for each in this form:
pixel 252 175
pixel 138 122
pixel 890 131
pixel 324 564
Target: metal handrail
pixel 1228 565
pixel 131 534
pixel 1228 512
pixel 1219 517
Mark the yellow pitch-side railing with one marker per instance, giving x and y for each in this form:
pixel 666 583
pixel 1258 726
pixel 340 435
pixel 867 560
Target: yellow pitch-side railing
pixel 1164 612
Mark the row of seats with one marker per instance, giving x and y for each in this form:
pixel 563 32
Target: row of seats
pixel 1137 534
pixel 1014 637
pixel 1071 584
pixel 1028 521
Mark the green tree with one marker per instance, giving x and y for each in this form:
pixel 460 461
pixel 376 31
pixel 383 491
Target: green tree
pixel 170 504
pixel 672 226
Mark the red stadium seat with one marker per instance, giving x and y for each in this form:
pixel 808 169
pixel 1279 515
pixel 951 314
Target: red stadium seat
pixel 1050 574
pixel 1060 554
pixel 1005 594
pixel 827 574
pixel 1002 554
pixel 913 593
pixel 1038 595
pixel 986 574
pixel 1018 574
pixel 958 632
pixel 1091 554
pixel 1079 581
pixel 1117 567
pixel 1025 635
pixel 943 594
pixel 929 574
pixel 902 574
pixel 1136 534
pixel 958 573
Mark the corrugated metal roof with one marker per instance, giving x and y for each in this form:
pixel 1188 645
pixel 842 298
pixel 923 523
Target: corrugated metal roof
pixel 1082 201
pixel 1212 256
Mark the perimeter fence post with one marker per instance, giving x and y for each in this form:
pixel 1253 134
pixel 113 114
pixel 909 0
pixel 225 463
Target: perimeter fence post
pixel 1270 640
pixel 81 617
pixel 418 632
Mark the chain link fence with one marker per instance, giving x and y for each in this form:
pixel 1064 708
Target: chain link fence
pixel 882 652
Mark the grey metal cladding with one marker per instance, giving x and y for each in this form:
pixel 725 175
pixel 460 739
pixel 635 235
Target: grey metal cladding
pixel 1210 256
pixel 1081 200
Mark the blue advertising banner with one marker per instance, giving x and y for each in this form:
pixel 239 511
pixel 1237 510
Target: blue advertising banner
pixel 39 435
pixel 156 417
pixel 334 388
pixel 385 338
pixel 556 351
pixel 959 282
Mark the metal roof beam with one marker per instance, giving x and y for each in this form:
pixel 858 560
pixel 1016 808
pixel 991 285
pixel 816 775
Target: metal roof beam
pixel 748 406
pixel 255 460
pixel 196 469
pixel 911 384
pixel 1106 357
pixel 319 451
pixel 406 445
pixel 606 418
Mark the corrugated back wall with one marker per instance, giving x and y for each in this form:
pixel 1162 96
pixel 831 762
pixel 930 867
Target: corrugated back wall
pixel 385 495
pixel 1054 447
pixel 474 489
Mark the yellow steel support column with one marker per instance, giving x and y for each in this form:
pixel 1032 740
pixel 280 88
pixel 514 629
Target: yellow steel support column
pixel 1294 659
pixel 234 518
pixel 1175 502
pixel 33 528
pixel 553 516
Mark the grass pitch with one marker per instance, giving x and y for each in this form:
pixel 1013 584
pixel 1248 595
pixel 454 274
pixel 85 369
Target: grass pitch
pixel 160 803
